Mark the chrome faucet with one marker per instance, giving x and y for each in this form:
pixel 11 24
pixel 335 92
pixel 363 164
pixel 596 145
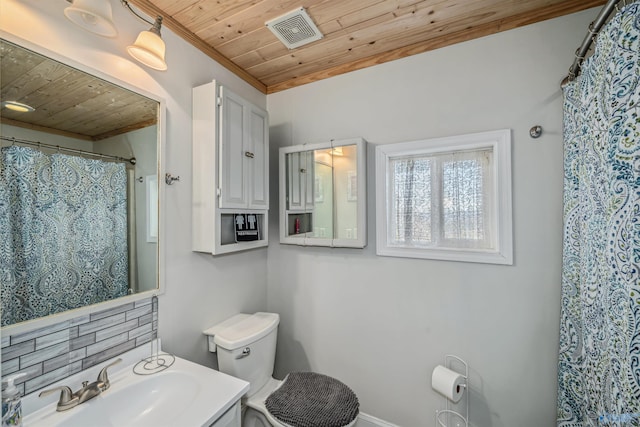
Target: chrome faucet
pixel 69 399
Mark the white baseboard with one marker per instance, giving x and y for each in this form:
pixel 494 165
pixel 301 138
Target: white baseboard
pixel 366 420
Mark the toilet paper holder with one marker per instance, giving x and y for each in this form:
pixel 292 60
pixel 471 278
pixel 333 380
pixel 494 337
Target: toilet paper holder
pixel 449 417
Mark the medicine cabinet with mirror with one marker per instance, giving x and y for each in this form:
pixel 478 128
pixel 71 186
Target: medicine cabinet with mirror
pixel 323 194
pixel 80 224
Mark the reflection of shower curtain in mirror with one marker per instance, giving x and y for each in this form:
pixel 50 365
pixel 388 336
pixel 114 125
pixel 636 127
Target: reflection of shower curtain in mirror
pixel 63 232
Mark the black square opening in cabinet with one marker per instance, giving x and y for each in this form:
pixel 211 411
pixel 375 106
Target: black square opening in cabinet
pixel 241 227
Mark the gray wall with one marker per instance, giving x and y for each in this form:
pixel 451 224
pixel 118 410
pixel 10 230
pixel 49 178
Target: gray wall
pixel 382 324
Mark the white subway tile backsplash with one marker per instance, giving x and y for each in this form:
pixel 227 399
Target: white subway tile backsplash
pixel 57 351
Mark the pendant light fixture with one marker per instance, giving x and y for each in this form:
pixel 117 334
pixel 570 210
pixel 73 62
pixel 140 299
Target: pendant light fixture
pixel 96 16
pixel 93 15
pixel 149 48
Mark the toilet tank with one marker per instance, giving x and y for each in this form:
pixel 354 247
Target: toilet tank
pixel 246 347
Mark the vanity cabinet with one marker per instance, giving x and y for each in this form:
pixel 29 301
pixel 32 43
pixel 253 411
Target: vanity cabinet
pixel 230 171
pixel 231 418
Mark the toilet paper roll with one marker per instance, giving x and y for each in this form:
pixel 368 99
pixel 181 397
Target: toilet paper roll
pixel 448 383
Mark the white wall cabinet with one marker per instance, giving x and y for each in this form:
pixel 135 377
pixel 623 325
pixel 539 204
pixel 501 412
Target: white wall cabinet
pixel 230 171
pixel 323 191
pixel 244 157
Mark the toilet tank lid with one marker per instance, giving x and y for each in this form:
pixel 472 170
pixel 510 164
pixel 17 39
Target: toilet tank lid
pixel 243 329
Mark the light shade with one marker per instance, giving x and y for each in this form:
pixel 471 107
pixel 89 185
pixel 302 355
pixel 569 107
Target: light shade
pixel 92 15
pixel 17 106
pixel 149 48
pixel 337 151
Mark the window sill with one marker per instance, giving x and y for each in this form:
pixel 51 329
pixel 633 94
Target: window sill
pixel 459 255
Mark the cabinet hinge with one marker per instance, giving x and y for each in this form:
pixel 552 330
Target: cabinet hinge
pixel 219 101
pixel 218 192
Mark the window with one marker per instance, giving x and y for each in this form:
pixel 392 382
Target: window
pixel 447 198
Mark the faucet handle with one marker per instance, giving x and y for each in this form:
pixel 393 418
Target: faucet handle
pixel 103 378
pixel 67 399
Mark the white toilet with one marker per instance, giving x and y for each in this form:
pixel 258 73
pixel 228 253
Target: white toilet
pixel 246 349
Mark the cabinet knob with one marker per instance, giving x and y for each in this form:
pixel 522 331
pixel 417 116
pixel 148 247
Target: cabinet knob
pixel 249 154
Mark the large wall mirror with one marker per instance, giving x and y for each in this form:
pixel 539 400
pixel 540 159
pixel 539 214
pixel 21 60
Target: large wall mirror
pixel 79 193
pixel 323 194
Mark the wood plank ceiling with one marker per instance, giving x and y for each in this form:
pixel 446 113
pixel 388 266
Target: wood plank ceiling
pixel 357 33
pixel 67 101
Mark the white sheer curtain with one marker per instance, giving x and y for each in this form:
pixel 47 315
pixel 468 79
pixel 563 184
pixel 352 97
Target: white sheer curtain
pixel 443 200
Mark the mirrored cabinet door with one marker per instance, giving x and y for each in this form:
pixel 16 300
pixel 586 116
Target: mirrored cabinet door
pixel 323 194
pixel 300 178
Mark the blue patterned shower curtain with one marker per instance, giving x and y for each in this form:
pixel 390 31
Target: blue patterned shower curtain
pixel 63 232
pixel 599 360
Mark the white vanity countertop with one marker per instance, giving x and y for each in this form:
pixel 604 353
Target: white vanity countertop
pixel 185 394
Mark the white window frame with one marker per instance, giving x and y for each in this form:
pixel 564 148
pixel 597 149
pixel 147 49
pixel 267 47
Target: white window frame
pixel 499 142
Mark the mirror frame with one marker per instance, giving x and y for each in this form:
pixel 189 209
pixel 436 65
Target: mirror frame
pixel 52 319
pixel 360 240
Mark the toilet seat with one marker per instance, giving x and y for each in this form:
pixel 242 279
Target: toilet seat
pixel 308 399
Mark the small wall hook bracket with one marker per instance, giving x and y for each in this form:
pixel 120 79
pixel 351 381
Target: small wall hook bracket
pixel 535 132
pixel 169 179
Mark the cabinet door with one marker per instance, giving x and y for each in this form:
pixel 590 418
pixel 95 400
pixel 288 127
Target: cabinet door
pixel 244 153
pixel 233 175
pixel 257 144
pixel 309 180
pixel 300 180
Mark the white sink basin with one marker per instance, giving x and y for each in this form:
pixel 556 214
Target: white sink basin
pixel 185 394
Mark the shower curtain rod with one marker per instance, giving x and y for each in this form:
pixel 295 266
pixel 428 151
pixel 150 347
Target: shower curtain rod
pixel 594 28
pixel 69 150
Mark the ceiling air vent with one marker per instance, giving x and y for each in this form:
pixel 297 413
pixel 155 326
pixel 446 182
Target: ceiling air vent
pixel 295 28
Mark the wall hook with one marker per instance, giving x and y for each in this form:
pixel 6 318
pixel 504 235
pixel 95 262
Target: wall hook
pixel 169 179
pixel 536 131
